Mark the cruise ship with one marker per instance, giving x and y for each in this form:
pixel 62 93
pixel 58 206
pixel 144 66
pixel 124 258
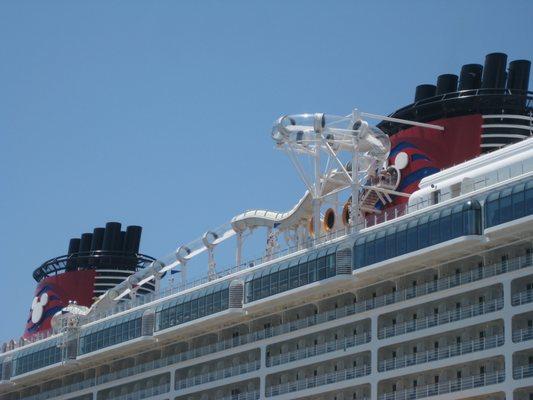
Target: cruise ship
pixel 404 272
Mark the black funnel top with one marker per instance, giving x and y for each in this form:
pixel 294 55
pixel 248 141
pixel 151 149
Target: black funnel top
pixel 446 83
pixel 519 75
pixel 98 239
pixel 424 91
pixel 494 74
pixel 105 250
pixel 85 243
pixel 132 240
pixel 111 236
pixel 470 76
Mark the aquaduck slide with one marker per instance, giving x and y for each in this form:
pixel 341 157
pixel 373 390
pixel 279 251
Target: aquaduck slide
pixel 300 132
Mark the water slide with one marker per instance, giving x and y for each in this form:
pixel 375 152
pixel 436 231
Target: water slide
pixel 300 131
pixel 298 215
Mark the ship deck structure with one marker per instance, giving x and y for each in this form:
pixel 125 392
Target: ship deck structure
pixel 406 272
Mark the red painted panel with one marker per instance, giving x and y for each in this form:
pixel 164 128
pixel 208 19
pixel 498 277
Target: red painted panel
pixel 430 150
pixel 60 289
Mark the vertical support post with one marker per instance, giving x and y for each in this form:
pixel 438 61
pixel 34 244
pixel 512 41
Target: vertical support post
pixel 211 273
pixel 183 273
pixel 157 279
pixel 238 256
pixel 317 188
pixel 354 213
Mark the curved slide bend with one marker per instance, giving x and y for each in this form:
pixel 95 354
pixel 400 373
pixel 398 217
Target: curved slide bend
pixel 298 215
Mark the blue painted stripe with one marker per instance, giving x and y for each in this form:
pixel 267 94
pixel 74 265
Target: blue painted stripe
pixel 401 146
pixel 418 156
pixel 416 176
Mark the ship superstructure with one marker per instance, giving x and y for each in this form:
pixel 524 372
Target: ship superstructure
pixel 407 272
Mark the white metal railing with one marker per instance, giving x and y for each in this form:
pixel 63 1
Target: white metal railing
pixel 523 297
pixel 525 371
pixel 142 393
pixel 441 318
pixel 73 387
pixel 253 395
pixel 319 380
pixel 440 284
pixel 451 386
pixel 128 304
pixel 453 350
pixel 219 374
pixel 521 335
pixel 311 351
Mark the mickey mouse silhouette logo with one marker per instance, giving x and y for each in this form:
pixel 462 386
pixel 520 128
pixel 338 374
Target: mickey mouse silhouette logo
pixel 37 307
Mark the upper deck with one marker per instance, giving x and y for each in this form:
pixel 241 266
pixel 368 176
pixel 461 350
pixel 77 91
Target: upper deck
pixel 498 202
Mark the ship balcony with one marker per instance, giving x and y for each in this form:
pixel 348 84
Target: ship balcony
pixel 442 388
pixel 318 338
pixel 454 350
pixel 524 393
pixel 53 393
pixel 523 327
pixel 242 390
pixel 442 381
pixel 523 297
pixel 253 395
pixel 242 396
pixel 488 300
pixel 318 380
pixel 369 298
pixel 139 389
pixel 441 319
pixel 361 392
pixel 151 392
pixel 443 283
pixel 523 364
pixel 319 349
pixel 522 372
pixel 218 374
pixel 522 335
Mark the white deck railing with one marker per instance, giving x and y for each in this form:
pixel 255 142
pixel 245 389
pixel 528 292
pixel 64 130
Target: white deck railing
pixel 218 374
pixel 441 318
pixel 327 347
pixel 451 386
pixel 525 371
pixel 319 380
pixel 523 297
pixel 522 335
pixel 453 350
pixel 254 395
pixel 142 393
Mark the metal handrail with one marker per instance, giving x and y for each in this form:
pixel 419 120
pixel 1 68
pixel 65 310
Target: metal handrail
pixel 143 393
pixel 218 374
pixel 451 386
pixel 522 335
pixel 525 371
pixel 441 318
pixel 523 297
pixel 327 347
pixel 453 350
pixel 319 380
pixel 253 395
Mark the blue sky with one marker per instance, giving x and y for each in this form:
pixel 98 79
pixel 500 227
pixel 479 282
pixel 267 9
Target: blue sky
pixel 159 113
